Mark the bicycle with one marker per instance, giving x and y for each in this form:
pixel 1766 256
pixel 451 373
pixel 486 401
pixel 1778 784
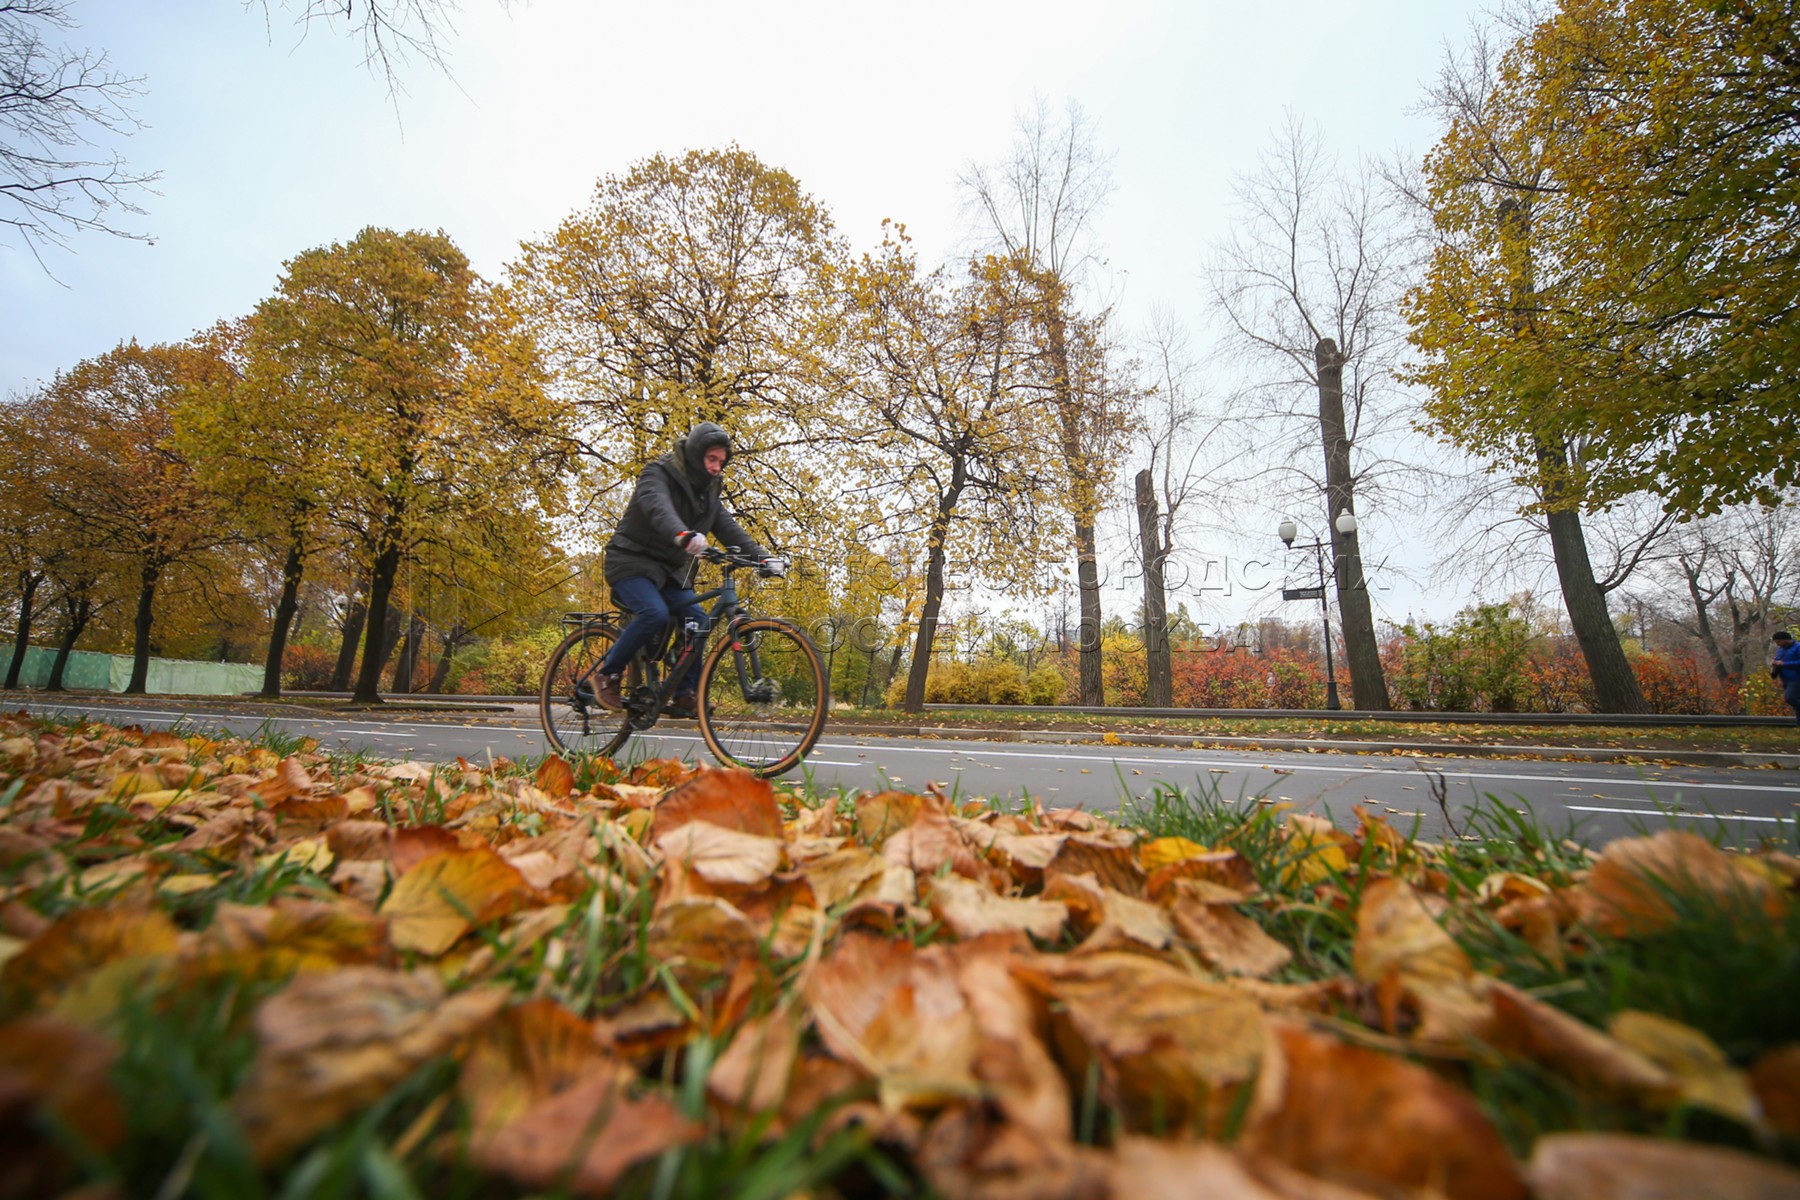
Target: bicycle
pixel 762 689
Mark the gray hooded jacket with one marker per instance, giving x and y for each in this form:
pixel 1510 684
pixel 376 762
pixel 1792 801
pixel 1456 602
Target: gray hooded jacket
pixel 673 494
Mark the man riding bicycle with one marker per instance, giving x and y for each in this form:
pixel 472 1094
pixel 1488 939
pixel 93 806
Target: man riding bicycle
pixel 650 561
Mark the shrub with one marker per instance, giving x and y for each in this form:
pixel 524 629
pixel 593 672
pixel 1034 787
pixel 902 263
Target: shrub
pixel 1046 685
pixel 307 668
pixel 508 666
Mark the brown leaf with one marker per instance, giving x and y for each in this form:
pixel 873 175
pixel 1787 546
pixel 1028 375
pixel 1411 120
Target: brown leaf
pixel 720 855
pixel 730 799
pixel 288 779
pixel 52 1073
pixel 898 1014
pixel 292 934
pixel 968 909
pixel 1110 857
pixel 1366 1119
pixel 1012 1060
pixel 331 1043
pixel 1172 1050
pixel 1631 889
pixel 555 778
pixel 1776 1078
pixel 844 874
pixel 754 1072
pixel 584 1138
pixel 1526 1027
pixel 1618 1166
pixel 411 845
pixel 1224 938
pixel 1397 932
pixel 525 1055
pixel 702 937
pixel 360 841
pixel 1145 1167
pixel 968 1152
pixel 76 947
pixel 931 844
pixel 447 894
pixel 880 816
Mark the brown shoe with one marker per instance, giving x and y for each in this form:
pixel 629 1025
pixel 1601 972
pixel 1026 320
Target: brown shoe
pixel 606 690
pixel 685 704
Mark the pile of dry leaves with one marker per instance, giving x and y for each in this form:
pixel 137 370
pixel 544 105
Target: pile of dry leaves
pixel 1010 1005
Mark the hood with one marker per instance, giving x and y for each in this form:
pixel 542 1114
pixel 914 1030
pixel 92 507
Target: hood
pixel 692 449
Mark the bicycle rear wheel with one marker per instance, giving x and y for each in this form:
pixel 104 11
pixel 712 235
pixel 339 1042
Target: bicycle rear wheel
pixel 762 696
pixel 576 723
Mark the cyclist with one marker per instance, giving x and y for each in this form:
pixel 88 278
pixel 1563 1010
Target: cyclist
pixel 650 561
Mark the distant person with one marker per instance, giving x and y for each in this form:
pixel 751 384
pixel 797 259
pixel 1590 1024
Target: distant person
pixel 650 559
pixel 1786 668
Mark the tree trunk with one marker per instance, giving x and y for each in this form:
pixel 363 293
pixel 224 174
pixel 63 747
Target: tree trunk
pixel 353 627
pixel 406 664
pixel 1615 685
pixel 78 620
pixel 1161 691
pixel 1362 653
pixel 441 675
pixel 28 586
pixel 1703 626
pixel 291 571
pixel 1082 500
pixel 375 639
pixel 934 597
pixel 140 641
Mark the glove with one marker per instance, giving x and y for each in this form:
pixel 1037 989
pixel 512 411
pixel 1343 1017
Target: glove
pixel 693 543
pixel 774 568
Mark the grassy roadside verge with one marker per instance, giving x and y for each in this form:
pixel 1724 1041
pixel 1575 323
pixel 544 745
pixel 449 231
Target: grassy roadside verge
pixel 1752 739
pixel 240 967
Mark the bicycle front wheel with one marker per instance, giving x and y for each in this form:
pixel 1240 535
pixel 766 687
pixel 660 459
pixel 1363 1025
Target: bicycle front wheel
pixel 573 719
pixel 762 696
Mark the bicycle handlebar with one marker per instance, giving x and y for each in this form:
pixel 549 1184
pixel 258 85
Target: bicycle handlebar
pixel 732 562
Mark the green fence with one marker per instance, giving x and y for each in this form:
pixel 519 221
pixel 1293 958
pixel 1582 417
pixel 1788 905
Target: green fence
pixel 111 672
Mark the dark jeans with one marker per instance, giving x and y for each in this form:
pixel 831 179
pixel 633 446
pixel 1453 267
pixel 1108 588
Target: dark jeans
pixel 650 608
pixel 1791 693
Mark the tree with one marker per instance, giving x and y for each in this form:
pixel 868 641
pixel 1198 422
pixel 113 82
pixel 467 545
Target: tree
pixel 947 437
pixel 695 288
pixel 1488 320
pixel 440 416
pixel 1037 206
pixel 113 469
pixel 1309 283
pixel 1168 487
pixel 57 105
pixel 259 440
pixel 1661 232
pixel 24 516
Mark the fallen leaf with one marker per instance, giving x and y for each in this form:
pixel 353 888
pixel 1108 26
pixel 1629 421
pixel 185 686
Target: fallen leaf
pixel 844 874
pixel 969 1152
pixel 556 778
pixel 449 893
pixel 721 855
pixel 1633 888
pixel 1707 1079
pixel 582 1139
pixel 54 1085
pixel 730 799
pixel 1526 1027
pixel 1366 1119
pixel 1172 1050
pixel 701 938
pixel 754 1071
pixel 331 1043
pixel 1776 1078
pixel 1224 938
pixel 76 946
pixel 1618 1166
pixel 526 1054
pixel 969 909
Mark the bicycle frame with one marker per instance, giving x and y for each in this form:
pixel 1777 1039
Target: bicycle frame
pixel 652 658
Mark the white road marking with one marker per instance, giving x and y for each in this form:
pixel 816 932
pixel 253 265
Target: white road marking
pixel 1638 812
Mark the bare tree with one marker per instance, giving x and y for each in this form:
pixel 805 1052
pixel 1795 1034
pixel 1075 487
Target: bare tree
pixel 1178 435
pixel 1038 205
pixel 1309 284
pixel 391 31
pixel 58 105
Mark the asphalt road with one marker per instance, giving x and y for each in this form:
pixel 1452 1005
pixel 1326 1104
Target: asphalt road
pixel 1597 802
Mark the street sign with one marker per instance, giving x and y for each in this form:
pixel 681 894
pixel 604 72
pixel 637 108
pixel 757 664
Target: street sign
pixel 1311 593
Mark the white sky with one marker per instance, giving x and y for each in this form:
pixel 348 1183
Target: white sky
pixel 270 144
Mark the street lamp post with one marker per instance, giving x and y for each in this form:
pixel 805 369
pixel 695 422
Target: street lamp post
pixel 1345 524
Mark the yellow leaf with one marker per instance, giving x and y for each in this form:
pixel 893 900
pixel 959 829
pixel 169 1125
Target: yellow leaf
pixel 446 894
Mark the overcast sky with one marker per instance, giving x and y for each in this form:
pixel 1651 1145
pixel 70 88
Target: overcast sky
pixel 270 143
